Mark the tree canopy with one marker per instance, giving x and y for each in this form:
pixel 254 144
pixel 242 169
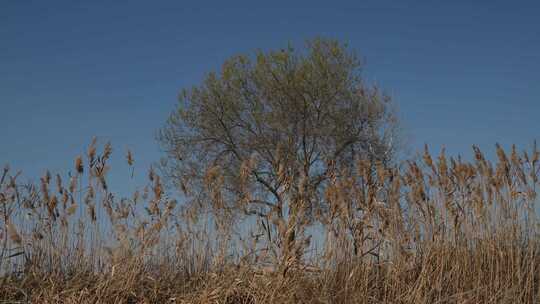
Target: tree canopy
pixel 275 117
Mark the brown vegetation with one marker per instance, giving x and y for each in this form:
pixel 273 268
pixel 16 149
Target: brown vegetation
pixel 438 230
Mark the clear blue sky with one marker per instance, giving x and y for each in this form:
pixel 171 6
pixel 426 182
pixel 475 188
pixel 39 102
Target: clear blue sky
pixel 461 72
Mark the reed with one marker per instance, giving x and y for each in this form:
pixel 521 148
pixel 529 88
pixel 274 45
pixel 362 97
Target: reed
pixel 436 229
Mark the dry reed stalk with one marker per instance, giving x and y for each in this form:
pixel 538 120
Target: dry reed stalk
pixel 435 230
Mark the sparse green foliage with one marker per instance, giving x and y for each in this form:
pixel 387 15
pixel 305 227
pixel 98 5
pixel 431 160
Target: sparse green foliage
pixel 269 130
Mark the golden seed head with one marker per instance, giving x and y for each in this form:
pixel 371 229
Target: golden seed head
pixel 79 165
pixel 107 151
pixel 129 158
pixel 91 153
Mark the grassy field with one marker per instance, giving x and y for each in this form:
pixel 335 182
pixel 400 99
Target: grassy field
pixel 429 230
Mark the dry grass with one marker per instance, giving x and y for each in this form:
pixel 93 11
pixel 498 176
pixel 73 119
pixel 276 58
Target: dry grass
pixel 438 230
